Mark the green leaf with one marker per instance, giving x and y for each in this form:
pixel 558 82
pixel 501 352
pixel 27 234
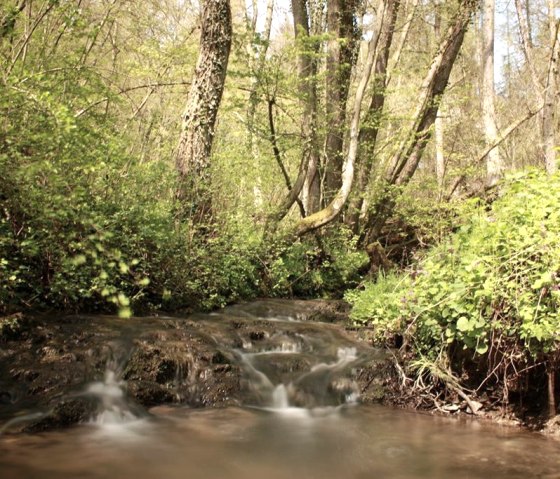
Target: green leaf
pixel 463 324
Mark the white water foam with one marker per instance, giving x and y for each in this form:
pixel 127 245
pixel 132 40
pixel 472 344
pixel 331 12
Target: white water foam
pixel 284 348
pixel 345 356
pixel 115 410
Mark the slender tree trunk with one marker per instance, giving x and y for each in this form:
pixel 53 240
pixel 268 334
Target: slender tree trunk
pixel 372 120
pixel 551 386
pixel 439 141
pixel 529 28
pixel 257 58
pixel 307 23
pixel 494 163
pixel 410 150
pixel 395 59
pixel 199 118
pixel 527 46
pixel 334 208
pixel 549 110
pixel 340 53
pixel 307 72
pixel 439 124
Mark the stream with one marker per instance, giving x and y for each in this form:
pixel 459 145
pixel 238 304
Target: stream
pixel 298 412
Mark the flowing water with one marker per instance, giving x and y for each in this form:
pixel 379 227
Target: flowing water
pixel 301 417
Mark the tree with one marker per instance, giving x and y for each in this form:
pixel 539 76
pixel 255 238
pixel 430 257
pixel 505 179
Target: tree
pixel 545 90
pixel 307 181
pixel 341 47
pixel 405 161
pixel 494 164
pixel 372 122
pixel 199 118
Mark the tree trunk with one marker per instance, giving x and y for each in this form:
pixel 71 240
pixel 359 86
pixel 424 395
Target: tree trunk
pixel 439 124
pixel 408 156
pixel 440 151
pixel 549 110
pixel 330 212
pixel 307 77
pixel 372 120
pixel 199 118
pixel 257 58
pixel 494 163
pixel 340 54
pixel 551 384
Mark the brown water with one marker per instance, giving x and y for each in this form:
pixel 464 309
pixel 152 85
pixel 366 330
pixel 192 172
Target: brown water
pixel 355 442
pixel 302 420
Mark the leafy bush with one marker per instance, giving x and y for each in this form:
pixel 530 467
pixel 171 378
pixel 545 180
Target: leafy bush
pixel 312 267
pixel 494 285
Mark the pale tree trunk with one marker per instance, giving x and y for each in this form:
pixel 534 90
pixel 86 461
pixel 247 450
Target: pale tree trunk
pixel 410 150
pixel 545 93
pixel 257 59
pixel 329 213
pixel 549 109
pixel 439 141
pixel 369 130
pixel 307 73
pixel 308 21
pixel 340 52
pixel 527 46
pixel 494 163
pixel 199 118
pixel 405 161
pixel 439 124
pixel 359 206
pixel 395 59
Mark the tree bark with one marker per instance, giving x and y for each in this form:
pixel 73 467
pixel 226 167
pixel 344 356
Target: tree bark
pixel 549 110
pixel 257 58
pixel 330 212
pixel 410 150
pixel 494 163
pixel 340 58
pixel 306 20
pixel 372 120
pixel 439 138
pixel 307 73
pixel 199 118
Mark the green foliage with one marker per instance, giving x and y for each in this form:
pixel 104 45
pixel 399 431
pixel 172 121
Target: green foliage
pixel 497 277
pixel 311 267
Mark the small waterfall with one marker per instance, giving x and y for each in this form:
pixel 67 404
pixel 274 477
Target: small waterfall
pixel 290 376
pixel 280 397
pixel 114 408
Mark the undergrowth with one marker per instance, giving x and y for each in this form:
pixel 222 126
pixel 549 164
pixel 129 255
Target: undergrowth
pixel 487 298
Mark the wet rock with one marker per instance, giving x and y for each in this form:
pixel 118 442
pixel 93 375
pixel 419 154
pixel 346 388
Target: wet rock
pixel 332 311
pixel 149 363
pixel 65 413
pixel 148 393
pixel 195 362
pixel 342 388
pixel 257 335
pixel 552 427
pixel 219 358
